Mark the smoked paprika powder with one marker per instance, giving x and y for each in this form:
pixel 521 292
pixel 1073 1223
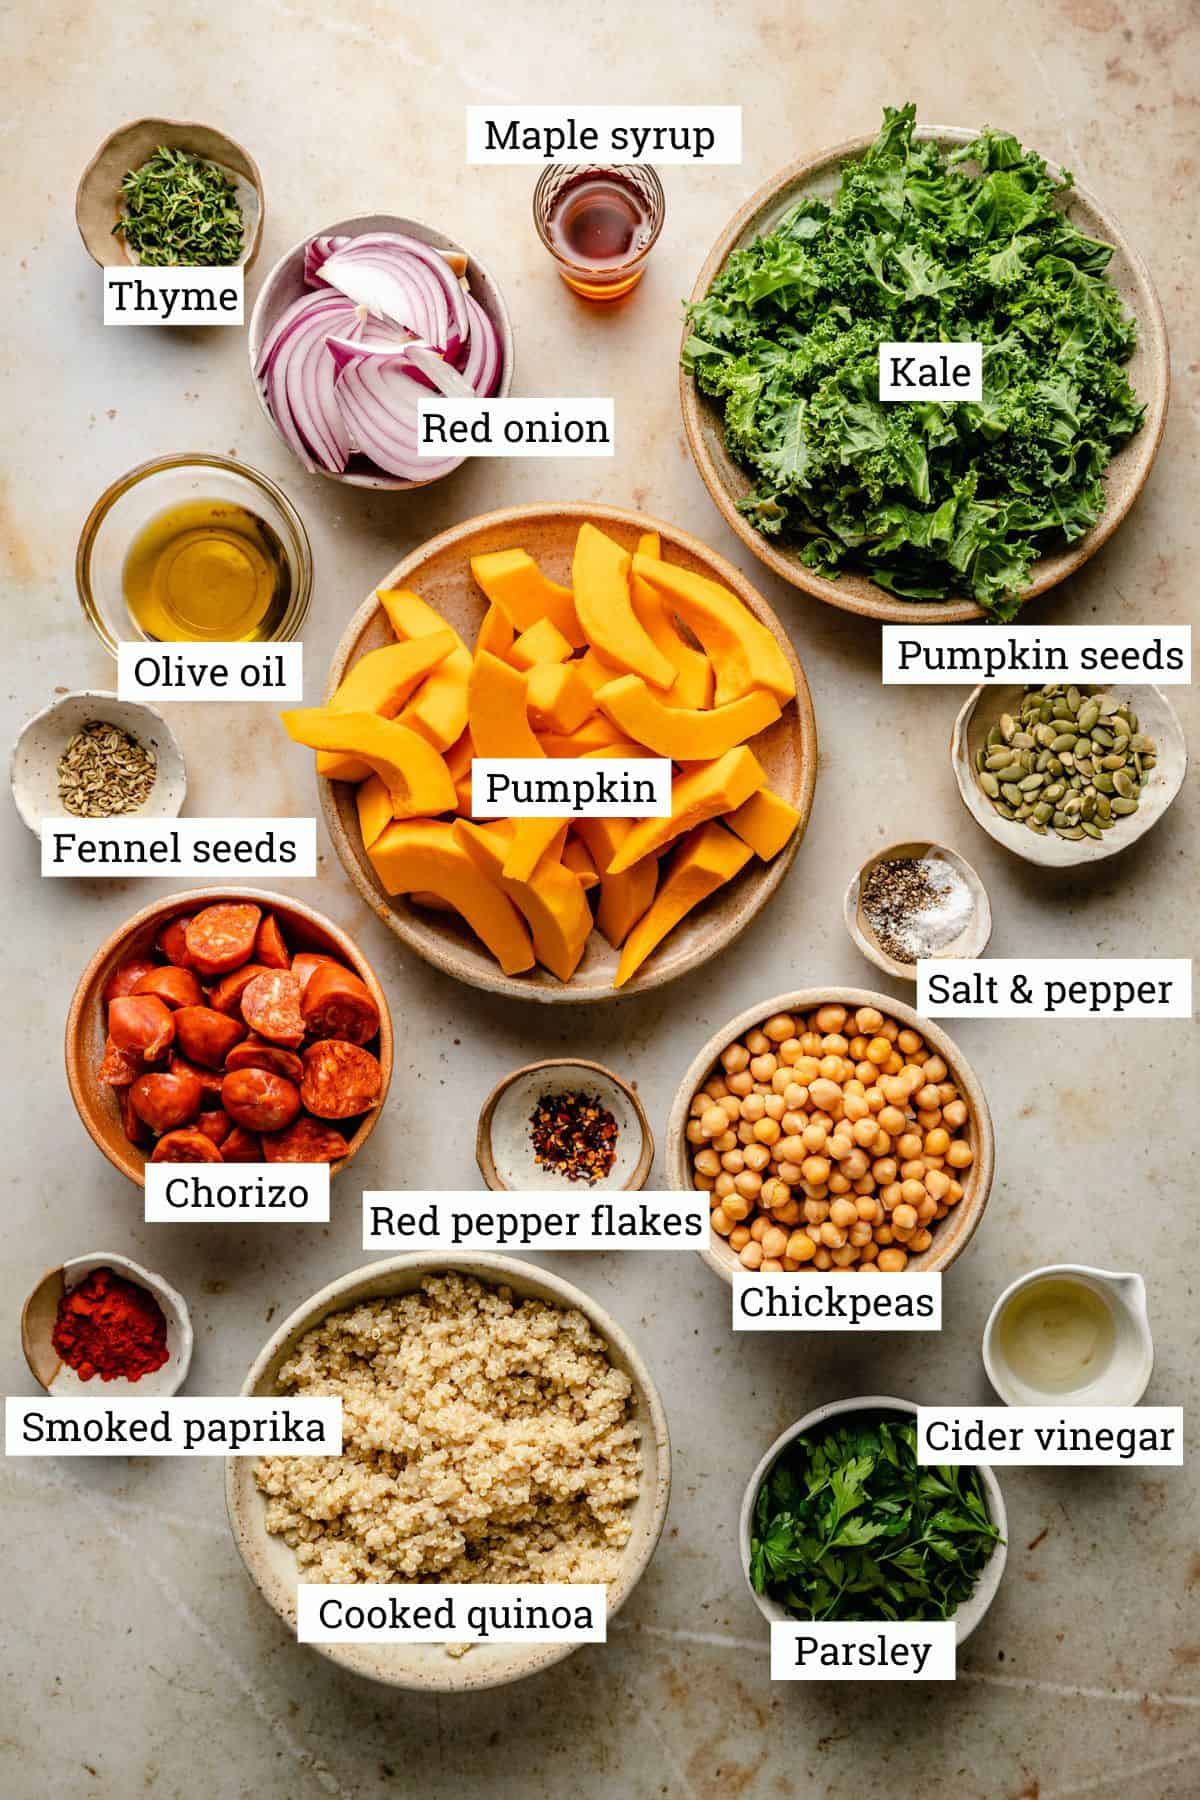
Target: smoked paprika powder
pixel 110 1327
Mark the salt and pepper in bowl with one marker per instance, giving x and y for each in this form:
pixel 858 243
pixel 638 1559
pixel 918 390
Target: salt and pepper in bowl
pixel 917 900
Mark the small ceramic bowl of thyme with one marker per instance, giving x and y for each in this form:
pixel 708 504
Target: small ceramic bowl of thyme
pixel 93 755
pixel 100 199
pixel 599 1108
pixel 916 900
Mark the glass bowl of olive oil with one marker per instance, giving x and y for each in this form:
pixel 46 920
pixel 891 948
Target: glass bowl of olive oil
pixel 194 549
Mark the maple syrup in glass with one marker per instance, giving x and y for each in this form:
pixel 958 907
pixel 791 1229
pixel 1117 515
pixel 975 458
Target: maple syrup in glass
pixel 599 224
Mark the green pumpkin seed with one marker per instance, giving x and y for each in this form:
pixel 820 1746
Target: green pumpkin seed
pixel 1123 808
pixel 1006 812
pixel 1064 741
pixel 1103 782
pixel 1008 726
pixel 1011 792
pixel 1112 761
pixel 1032 783
pixel 1102 737
pixel 1092 829
pixel 1036 825
pixel 1088 714
pixel 1073 698
pixel 1055 791
pixel 999 759
pixel 1123 783
pixel 1103 809
pixel 1043 812
pixel 1109 704
pixel 990 785
pixel 1074 832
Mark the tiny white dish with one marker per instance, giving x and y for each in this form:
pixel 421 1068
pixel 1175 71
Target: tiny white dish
pixel 34 769
pixel 971 1612
pixel 1125 1375
pixel 972 940
pixel 503 1148
pixel 40 1312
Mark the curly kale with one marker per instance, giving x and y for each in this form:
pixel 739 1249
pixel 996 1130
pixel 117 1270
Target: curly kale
pixel 929 500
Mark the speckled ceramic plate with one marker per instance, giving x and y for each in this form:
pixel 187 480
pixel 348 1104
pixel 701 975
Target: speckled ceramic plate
pixel 728 482
pixel 440 573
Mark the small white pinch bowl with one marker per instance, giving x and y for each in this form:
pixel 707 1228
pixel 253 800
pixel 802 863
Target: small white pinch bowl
pixel 33 772
pixel 1156 717
pixel 505 1154
pixel 40 1312
pixel 972 940
pixel 1127 1376
pixel 971 1612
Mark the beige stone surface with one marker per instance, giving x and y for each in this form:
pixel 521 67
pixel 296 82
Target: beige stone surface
pixel 136 1657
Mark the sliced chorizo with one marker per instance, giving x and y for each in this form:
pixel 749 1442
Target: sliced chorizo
pixel 210 1079
pixel 241 1146
pixel 174 987
pixel 304 1142
pixel 172 941
pixel 271 1007
pixel 140 1022
pixel 136 1129
pixel 305 966
pixel 119 1068
pixel 164 1102
pixel 221 937
pixel 216 1125
pixel 269 947
pixel 259 1100
pixel 226 994
pixel 207 1036
pixel 341 1080
pixel 338 1004
pixel 125 977
pixel 188 1145
pixel 252 1053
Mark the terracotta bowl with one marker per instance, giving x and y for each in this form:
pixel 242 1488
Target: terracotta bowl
pixel 304 930
pixel 272 1565
pixel 98 197
pixel 956 1230
pixel 440 573
pixel 727 482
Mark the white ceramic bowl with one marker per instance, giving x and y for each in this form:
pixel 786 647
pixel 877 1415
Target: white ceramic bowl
pixel 34 768
pixel 971 941
pixel 972 1610
pixel 41 1310
pixel 1126 1377
pixel 272 1565
pixel 502 1143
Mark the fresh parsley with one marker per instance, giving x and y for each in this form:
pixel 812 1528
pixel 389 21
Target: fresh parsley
pixel 849 1526
pixel 930 501
pixel 179 209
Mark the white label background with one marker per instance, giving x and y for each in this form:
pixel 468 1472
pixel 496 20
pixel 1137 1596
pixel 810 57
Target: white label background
pixel 311 1595
pixel 525 1211
pixel 192 667
pixel 573 771
pixel 931 356
pixel 301 834
pixel 725 122
pixel 1047 975
pixel 118 279
pixel 587 413
pixel 841 1289
pixel 312 1177
pixel 327 1410
pixel 995 655
pixel 939 1634
pixel 1027 1420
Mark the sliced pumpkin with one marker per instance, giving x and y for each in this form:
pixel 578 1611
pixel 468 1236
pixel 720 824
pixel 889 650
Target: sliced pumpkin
pixel 374 808
pixel 694 678
pixel 744 653
pixel 559 699
pixel 459 758
pixel 600 574
pixel 499 723
pixel 624 897
pixel 765 821
pixel 496 633
pixel 705 861
pixel 578 858
pixel 512 581
pixel 415 775
pixel 531 840
pixel 542 643
pixel 552 900
pixel 381 681
pixel 679 732
pixel 439 710
pixel 593 669
pixel 423 856
pixel 700 793
pixel 596 733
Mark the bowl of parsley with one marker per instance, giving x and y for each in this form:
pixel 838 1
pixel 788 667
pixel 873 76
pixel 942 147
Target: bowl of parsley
pixel 916 511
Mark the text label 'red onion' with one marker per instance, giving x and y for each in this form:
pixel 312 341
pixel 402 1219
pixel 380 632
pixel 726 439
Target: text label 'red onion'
pixel 537 787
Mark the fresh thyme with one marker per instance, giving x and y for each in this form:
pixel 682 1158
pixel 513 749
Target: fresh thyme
pixel 180 209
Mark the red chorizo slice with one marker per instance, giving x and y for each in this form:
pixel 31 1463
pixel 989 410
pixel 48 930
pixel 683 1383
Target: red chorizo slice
pixel 252 1053
pixel 337 1004
pixel 221 937
pixel 216 1125
pixel 305 966
pixel 118 1067
pixel 259 1100
pixel 141 1023
pixel 125 977
pixel 188 1145
pixel 166 1101
pixel 174 987
pixel 207 1036
pixel 307 1141
pixel 271 1007
pixel 136 1129
pixel 172 941
pixel 226 994
pixel 340 1080
pixel 269 947
pixel 241 1146
pixel 210 1079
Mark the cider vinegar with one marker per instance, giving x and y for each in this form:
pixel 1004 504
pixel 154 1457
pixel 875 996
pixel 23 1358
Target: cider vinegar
pixel 1057 1336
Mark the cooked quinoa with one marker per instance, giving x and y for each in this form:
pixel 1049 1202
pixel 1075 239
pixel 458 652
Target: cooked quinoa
pixel 485 1438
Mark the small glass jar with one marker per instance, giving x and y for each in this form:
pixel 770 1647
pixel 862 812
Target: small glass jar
pixel 125 508
pixel 620 208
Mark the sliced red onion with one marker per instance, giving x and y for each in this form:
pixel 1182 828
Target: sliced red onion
pixel 481 363
pixel 401 279
pixel 378 394
pixel 315 253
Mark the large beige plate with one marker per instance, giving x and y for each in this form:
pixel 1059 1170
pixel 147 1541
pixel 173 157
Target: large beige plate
pixel 727 482
pixel 440 573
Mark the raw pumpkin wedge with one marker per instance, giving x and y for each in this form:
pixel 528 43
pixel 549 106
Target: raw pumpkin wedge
pixel 744 653
pixel 531 840
pixel 498 720
pixel 423 856
pixel 705 861
pixel 623 897
pixel 496 633
pixel 439 710
pixel 600 573
pixel 765 821
pixel 578 858
pixel 459 758
pixel 374 808
pixel 552 900
pixel 694 678
pixel 380 682
pixel 703 791
pixel 593 669
pixel 559 699
pixel 542 643
pixel 415 775
pixel 679 732
pixel 512 581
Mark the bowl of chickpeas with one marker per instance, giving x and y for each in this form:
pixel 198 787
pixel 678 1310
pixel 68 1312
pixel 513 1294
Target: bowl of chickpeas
pixel 833 1129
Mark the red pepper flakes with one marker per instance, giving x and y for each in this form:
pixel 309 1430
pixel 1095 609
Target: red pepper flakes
pixel 574 1136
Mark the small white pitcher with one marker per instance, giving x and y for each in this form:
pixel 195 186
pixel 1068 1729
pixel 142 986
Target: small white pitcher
pixel 1127 1375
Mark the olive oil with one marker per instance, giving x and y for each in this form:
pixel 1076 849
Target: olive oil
pixel 1057 1336
pixel 207 571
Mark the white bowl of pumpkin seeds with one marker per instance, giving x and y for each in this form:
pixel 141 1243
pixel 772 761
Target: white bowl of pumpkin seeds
pixel 92 756
pixel 1066 774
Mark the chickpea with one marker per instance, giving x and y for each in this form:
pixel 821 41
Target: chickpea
pixel 954 1114
pixel 742 1084
pixel 726 1141
pixel 780 1027
pixel 714 1121
pixel 864 1185
pixel 927 1097
pixel 894 1064
pixel 755 1156
pixel 822 1259
pixel 758 1227
pixel 774 1241
pixel 795 1096
pixel 912 1193
pixel 772 1265
pixel 868 1255
pixel 929 1121
pixel 756 1042
pixel 781 1081
pixel 875 1100
pixel 693 1132
pixel 699 1105
pixel 936 1143
pixel 920 1241
pixel 856 1049
pixel 892 1261
pixel 825 1094
pixel 868 1020
pixel 908 1041
pixel 787 1215
pixel 865 1073
pixel 865 1131
pixel 763 1067
pixel 753 1107
pixel 960 1154
pixel 767 1131
pixel 856 1164
pixel 859 1234
pixel 830 1018
pixel 846 1257
pixel 748 1184
pixel 708 1162
pixel 935 1069
pixel 885 1170
pixel 913 1170
pixel 868 1209
pixel 789 1051
pixel 815 1211
pixel 800 1247
pixel 715 1087
pixel 814 1136
pixel 739 1237
pixel 815 1170
pixel 832 1236
pixel 793 1123
pixel 774 1193
pixel 788 1171
pixel 843 1212
pixel 927 1211
pixel 774 1106
pixel 839 1146
pixel 733 1161
pixel 723 1184
pixel 734 1059
pixel 704 1183
pixel 890 1195
pixel 720 1221
pixel 890 1030
pixel 904 1218
pixel 937 1184
pixel 878 1051
pixel 806 1068
pixel 838 1183
pixel 750 1256
pixel 908 1145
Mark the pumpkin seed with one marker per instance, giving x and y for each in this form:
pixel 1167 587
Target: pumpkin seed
pixel 1123 783
pixel 1011 792
pixel 1073 698
pixel 1074 832
pixel 1124 807
pixel 1043 812
pixel 989 784
pixel 1065 740
pixel 1032 783
pixel 1092 829
pixel 1103 782
pixel 1088 714
pixel 1008 727
pixel 999 759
